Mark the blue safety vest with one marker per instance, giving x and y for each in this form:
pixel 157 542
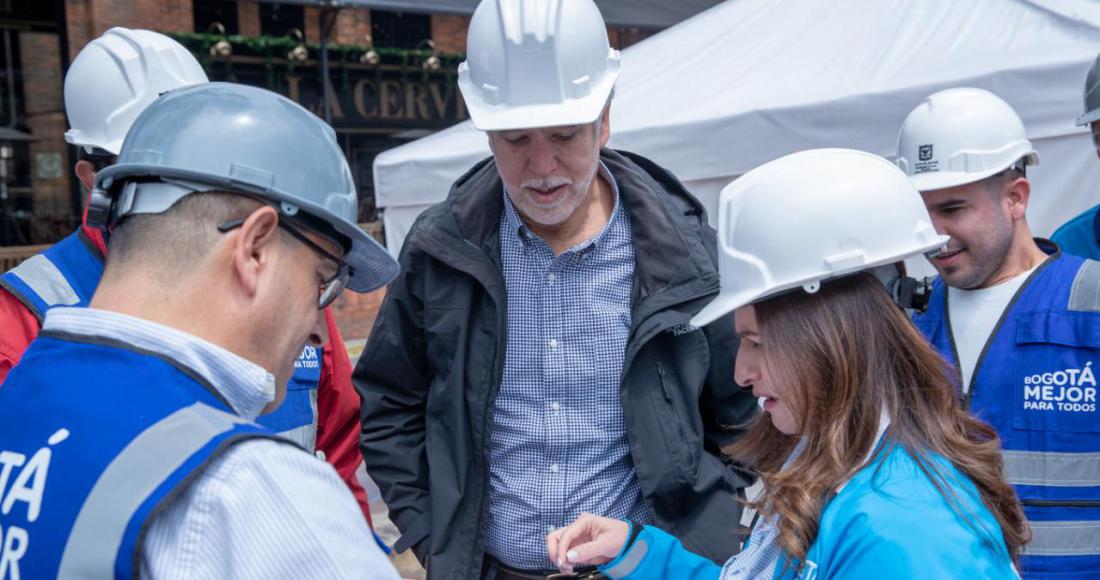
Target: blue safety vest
pixel 95 438
pixel 67 274
pixel 1036 383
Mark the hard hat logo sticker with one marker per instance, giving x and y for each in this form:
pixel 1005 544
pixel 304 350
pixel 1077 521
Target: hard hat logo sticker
pixel 925 164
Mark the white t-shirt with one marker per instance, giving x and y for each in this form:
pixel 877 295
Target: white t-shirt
pixel 973 314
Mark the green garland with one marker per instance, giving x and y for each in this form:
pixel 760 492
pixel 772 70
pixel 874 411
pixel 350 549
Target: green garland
pixel 274 48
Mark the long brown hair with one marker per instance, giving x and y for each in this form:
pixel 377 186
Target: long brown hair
pixel 854 353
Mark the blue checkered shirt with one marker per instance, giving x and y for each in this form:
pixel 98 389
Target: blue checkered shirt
pixel 559 444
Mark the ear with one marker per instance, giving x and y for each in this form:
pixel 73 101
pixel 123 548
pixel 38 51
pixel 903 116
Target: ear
pixel 253 247
pixel 85 172
pixel 1017 194
pixel 605 126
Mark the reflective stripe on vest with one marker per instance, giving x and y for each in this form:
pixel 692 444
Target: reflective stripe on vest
pixel 1052 469
pixel 131 478
pixel 43 277
pixel 65 274
pixel 1084 296
pixel 306 435
pixel 1064 539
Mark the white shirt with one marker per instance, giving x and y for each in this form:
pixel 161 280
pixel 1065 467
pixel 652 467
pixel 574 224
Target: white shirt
pixel 263 509
pixel 973 314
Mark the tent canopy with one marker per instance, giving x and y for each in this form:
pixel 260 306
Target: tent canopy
pixel 751 80
pixel 634 13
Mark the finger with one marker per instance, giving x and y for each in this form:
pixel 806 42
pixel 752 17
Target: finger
pixel 576 532
pixel 598 551
pixel 552 542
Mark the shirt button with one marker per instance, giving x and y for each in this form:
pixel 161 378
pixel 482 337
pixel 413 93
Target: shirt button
pixel 553 344
pixel 553 468
pixel 555 406
pixel 551 277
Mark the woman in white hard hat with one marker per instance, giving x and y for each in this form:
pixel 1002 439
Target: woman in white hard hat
pixel 870 466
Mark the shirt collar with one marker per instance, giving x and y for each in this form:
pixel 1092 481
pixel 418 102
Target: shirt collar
pixel 245 385
pixel 515 224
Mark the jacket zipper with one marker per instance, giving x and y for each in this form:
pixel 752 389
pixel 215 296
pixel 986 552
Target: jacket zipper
pixel 490 399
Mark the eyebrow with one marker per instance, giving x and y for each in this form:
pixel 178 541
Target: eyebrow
pixel 948 203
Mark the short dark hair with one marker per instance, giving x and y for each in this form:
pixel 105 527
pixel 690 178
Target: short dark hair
pixel 995 183
pixel 177 239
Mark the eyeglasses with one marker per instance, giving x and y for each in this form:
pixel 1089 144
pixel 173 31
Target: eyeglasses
pixel 330 288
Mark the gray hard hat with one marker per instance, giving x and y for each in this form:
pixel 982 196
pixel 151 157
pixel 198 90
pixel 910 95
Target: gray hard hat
pixel 236 138
pixel 1092 95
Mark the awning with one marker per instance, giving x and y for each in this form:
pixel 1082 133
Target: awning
pixel 633 13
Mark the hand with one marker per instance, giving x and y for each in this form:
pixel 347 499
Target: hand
pixel 588 540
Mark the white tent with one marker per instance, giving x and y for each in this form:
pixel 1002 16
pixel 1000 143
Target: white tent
pixel 751 80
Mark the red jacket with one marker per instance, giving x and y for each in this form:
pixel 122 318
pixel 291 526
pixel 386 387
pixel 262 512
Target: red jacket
pixel 337 400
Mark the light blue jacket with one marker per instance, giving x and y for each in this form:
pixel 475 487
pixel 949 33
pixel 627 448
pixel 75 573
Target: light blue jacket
pixel 1080 236
pixel 888 521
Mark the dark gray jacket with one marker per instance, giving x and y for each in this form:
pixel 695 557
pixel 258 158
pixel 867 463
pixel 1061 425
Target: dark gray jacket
pixel 431 370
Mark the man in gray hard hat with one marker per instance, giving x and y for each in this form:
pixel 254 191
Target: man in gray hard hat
pixel 534 360
pixel 231 212
pixel 1080 236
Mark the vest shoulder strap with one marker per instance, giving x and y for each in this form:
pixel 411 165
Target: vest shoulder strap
pixel 107 533
pixel 1084 295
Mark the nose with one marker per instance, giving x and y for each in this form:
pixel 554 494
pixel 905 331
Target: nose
pixel 744 373
pixel 542 160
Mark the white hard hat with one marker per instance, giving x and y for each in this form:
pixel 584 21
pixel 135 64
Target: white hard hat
pixel 811 216
pixel 536 63
pixel 115 77
pixel 960 136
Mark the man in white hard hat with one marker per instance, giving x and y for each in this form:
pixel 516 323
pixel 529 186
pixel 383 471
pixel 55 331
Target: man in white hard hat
pixel 1080 236
pixel 1018 317
pixel 127 432
pixel 109 84
pixel 534 360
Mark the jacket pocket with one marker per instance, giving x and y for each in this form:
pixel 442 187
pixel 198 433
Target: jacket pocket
pixel 1054 377
pixel 683 449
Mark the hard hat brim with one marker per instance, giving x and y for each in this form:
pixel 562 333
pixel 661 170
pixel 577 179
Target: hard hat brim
pixel 943 179
pixel 587 109
pixel 1088 118
pixel 729 299
pixel 372 264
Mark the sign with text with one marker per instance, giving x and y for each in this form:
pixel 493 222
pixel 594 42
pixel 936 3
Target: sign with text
pixel 359 98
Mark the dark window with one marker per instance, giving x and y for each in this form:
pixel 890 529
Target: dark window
pixel 207 12
pixel 280 19
pixel 38 15
pixel 398 29
pixel 11 80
